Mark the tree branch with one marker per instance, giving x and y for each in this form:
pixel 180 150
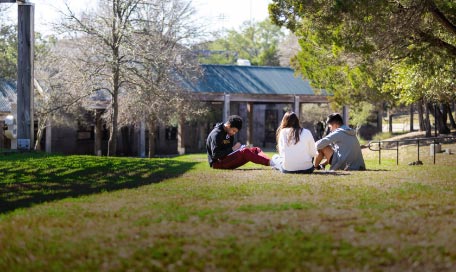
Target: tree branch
pixel 434 41
pixel 439 16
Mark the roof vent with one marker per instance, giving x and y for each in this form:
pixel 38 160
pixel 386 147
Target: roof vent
pixel 243 62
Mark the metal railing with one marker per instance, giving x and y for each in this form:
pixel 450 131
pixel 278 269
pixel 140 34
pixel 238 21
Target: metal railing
pixel 395 145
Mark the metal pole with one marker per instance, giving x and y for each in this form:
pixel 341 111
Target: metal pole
pixel 435 150
pixel 435 120
pixel 397 152
pixel 379 152
pixel 418 142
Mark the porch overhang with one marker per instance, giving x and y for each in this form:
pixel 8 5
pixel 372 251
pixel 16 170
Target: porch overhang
pixel 261 98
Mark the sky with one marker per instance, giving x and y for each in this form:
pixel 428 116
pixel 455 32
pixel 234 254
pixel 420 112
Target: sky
pixel 217 14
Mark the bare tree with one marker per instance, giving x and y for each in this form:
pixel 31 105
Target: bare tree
pixel 288 49
pixel 102 37
pixel 59 85
pixel 161 65
pixel 134 50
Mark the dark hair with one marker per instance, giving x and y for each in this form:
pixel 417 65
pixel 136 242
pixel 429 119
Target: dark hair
pixel 235 121
pixel 290 120
pixel 335 118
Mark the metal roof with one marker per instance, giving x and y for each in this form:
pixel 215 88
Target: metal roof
pixel 250 80
pixel 7 95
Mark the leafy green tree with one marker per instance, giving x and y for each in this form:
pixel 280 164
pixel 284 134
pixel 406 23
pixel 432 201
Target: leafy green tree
pixel 8 46
pixel 256 42
pixel 383 39
pixel 8 52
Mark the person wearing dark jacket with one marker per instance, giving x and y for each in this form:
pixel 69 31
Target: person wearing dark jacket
pixel 223 153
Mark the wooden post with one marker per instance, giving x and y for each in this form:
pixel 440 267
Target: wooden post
pixel 48 136
pixel 297 108
pixel 226 107
pixel 250 123
pixel 181 136
pixel 25 131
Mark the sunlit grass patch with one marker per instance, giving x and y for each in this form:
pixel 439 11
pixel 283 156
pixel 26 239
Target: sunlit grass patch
pixel 84 213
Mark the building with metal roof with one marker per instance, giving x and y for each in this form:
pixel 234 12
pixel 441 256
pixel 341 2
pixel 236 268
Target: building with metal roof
pixel 260 95
pixel 260 80
pixel 253 83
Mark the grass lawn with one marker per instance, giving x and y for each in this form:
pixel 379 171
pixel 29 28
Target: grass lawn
pixel 83 213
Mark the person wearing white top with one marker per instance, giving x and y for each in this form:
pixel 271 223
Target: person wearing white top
pixel 296 147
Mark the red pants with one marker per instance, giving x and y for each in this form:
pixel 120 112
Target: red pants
pixel 243 156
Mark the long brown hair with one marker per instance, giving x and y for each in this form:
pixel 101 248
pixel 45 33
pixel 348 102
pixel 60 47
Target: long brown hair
pixel 289 120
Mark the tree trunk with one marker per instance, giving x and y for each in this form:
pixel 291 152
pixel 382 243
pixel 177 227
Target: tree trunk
pixel 380 119
pixel 447 107
pixel 112 144
pixel 39 133
pixel 439 120
pixel 411 117
pixel 151 138
pixel 444 113
pixel 390 122
pixel 427 123
pixel 420 115
pixel 98 133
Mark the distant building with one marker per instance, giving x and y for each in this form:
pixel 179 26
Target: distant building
pixel 258 94
pixel 7 97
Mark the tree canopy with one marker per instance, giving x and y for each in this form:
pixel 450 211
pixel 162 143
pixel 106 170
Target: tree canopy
pixel 257 42
pixel 403 49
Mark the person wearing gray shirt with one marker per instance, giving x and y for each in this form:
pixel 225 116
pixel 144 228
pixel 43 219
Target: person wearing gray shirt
pixel 340 147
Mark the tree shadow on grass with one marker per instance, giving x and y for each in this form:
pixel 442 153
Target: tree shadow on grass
pixel 28 179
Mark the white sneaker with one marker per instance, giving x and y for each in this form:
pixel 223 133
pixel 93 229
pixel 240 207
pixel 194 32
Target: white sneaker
pixel 271 163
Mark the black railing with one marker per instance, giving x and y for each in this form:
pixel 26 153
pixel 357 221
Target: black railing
pixel 394 145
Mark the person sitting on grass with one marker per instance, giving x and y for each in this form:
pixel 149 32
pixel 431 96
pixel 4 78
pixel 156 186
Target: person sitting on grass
pixel 296 147
pixel 222 153
pixel 340 147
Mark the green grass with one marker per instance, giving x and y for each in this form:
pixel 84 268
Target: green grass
pixel 84 213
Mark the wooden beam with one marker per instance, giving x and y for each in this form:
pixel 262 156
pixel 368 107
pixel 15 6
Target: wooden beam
pixel 25 131
pixel 262 98
pixel 226 107
pixel 297 105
